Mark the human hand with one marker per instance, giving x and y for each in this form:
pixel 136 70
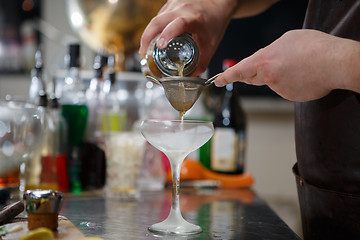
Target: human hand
pixel 206 20
pixel 301 65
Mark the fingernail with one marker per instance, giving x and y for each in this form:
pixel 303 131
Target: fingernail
pixel 219 83
pixel 161 43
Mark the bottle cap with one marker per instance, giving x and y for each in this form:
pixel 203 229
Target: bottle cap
pixel 54 103
pixel 111 71
pixel 100 62
pixel 74 55
pixel 227 63
pixel 38 60
pixel 43 101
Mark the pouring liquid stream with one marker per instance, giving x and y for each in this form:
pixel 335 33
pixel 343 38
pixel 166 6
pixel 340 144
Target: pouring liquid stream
pixel 180 65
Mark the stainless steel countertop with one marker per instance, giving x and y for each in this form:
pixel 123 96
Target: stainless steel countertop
pixel 222 214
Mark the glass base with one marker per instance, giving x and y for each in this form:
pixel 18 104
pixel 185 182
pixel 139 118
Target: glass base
pixel 175 224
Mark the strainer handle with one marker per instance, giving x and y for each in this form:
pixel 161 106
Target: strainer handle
pixel 154 80
pixel 212 79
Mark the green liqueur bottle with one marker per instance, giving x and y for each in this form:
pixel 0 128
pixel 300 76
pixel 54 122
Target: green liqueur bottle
pixel 75 112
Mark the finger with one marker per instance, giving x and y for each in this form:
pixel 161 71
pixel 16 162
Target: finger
pixel 146 38
pixel 244 71
pixel 155 27
pixel 179 26
pixel 164 8
pixel 175 28
pixel 228 76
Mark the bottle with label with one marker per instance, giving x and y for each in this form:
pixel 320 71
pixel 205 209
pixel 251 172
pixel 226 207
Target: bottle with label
pixel 211 97
pixel 48 174
pixel 41 170
pixel 179 58
pixel 57 149
pixel 53 158
pixel 44 169
pixel 228 143
pixel 113 116
pixel 75 112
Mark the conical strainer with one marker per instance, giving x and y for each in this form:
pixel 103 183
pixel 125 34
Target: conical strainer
pixel 182 92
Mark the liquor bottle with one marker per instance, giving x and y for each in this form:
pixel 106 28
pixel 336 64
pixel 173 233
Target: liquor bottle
pixel 53 157
pixel 211 98
pixel 33 167
pixel 95 99
pixel 113 115
pixel 48 174
pixel 75 112
pixel 93 159
pixel 41 172
pixel 37 83
pixel 57 150
pixel 228 142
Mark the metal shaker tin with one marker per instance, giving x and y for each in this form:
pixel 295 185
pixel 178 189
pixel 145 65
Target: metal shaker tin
pixel 43 201
pixel 162 62
pixel 43 207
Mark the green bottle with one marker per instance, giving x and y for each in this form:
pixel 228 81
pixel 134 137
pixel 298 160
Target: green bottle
pixel 75 112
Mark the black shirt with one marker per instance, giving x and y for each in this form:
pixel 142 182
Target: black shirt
pixel 328 129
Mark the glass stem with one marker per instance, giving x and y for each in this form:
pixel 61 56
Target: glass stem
pixel 175 171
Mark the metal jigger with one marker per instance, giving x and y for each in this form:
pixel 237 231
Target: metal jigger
pixel 43 207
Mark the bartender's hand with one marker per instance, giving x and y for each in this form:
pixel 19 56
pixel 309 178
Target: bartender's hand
pixel 301 65
pixel 206 20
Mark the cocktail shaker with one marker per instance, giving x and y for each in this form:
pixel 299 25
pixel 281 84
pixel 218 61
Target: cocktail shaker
pixel 179 58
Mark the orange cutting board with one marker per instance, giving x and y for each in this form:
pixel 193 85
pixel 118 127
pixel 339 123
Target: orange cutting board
pixel 66 230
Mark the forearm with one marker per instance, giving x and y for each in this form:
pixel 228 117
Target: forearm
pixel 348 66
pixel 247 8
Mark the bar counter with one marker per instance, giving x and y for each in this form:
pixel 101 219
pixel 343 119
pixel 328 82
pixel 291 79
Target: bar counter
pixel 221 213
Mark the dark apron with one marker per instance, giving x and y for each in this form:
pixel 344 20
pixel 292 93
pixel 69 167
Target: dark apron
pixel 328 140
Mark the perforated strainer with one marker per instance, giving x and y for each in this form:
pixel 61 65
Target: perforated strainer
pixel 181 50
pixel 182 92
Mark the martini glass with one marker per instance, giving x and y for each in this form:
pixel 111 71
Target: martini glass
pixel 176 139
